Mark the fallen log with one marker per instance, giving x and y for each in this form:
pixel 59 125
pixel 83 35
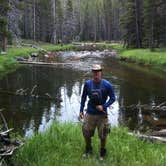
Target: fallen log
pixel 44 63
pixel 159 133
pixel 149 137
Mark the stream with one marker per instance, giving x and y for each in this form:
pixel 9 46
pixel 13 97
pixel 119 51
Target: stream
pixel 133 84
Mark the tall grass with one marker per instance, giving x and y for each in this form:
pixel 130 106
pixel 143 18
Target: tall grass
pixel 145 56
pixel 8 62
pixel 63 144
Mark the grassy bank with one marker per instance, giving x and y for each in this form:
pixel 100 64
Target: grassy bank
pixel 145 56
pixel 63 144
pixel 8 61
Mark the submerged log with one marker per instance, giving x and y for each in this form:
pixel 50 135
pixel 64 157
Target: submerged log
pixel 45 63
pixel 160 107
pixel 44 97
pixel 31 94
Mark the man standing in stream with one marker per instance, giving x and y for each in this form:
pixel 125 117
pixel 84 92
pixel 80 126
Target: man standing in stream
pixel 98 90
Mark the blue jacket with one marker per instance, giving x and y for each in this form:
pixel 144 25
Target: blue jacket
pixel 106 91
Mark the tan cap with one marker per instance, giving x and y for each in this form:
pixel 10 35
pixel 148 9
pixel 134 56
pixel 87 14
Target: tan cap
pixel 96 67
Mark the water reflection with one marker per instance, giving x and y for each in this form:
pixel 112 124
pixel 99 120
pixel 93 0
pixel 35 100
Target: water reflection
pixel 70 103
pixel 132 85
pixel 70 106
pixel 27 114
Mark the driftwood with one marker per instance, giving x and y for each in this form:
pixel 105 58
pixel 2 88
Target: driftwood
pixel 159 133
pixel 28 93
pixel 160 107
pixel 23 93
pixel 151 109
pixel 88 46
pixel 4 121
pixel 7 145
pixel 149 137
pixel 34 46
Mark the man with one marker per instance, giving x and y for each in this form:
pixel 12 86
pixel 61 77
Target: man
pixel 98 90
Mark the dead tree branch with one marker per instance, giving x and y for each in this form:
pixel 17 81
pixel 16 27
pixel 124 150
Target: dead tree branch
pixel 7 145
pixel 149 137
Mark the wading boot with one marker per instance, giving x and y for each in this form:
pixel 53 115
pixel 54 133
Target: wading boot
pixel 88 152
pixel 102 154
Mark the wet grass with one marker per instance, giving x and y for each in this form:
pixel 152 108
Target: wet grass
pixel 63 144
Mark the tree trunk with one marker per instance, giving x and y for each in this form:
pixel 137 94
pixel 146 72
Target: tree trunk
pixel 4 44
pixel 53 37
pixel 137 25
pixel 151 46
pixel 34 20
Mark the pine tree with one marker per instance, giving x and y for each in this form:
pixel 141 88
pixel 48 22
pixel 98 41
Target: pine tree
pixel 116 8
pixel 84 21
pixel 108 19
pixel 45 20
pixel 154 23
pixel 4 33
pixel 27 25
pixel 132 24
pixel 53 16
pixel 59 20
pixel 162 13
pixel 14 18
pixel 69 23
pixel 149 23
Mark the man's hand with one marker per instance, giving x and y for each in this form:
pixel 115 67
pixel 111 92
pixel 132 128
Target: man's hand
pixel 100 108
pixel 81 115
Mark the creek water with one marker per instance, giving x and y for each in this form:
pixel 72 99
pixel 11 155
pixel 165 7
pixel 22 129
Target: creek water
pixel 133 84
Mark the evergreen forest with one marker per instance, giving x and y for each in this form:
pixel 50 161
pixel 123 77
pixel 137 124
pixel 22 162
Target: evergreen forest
pixel 136 23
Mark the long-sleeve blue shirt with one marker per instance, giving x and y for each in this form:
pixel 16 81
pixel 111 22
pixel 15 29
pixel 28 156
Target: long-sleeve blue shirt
pixel 106 90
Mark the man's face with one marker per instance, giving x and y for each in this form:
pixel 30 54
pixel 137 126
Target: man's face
pixel 97 75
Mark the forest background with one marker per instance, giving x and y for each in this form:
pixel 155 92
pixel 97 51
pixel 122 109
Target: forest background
pixel 137 23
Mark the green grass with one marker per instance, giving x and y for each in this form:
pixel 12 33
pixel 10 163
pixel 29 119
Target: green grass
pixel 8 62
pixel 142 56
pixel 63 144
pixel 145 56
